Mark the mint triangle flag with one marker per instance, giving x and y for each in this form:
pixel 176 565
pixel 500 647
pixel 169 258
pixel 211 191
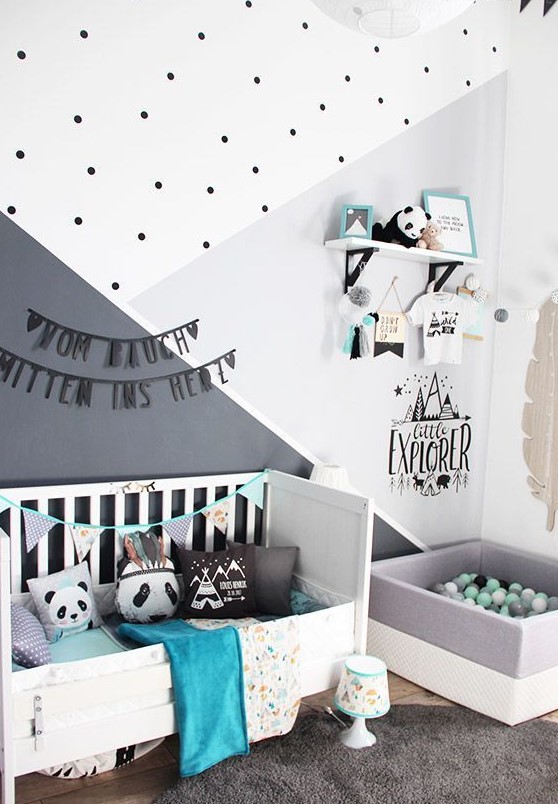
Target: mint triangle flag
pixel 178 529
pixel 254 491
pixel 36 526
pixel 83 539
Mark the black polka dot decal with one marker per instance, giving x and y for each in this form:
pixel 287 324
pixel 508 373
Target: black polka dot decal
pixel 427 69
pixel 83 34
pixel 141 236
pixel 322 107
pixel 224 138
pixel 205 244
pixel 21 54
pixel 376 49
pixel 91 171
pixel 292 132
pixel 465 31
pixel 468 83
pixel 494 49
pixel 78 221
pixel 11 210
pixel 115 286
pixel 158 185
pixel 210 190
pixel 265 208
pixel 78 118
pixel 257 79
pixel 201 35
pixel 248 3
pixel 20 154
pixel 347 78
pixel 406 121
pixel 170 76
pixel 255 169
pixel 144 115
pixel 341 158
pixel 305 26
pixel 380 100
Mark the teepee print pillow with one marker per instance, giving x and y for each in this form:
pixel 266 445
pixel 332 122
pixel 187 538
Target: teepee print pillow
pixel 219 584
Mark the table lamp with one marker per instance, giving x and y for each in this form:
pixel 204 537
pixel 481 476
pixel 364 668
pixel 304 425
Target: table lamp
pixel 362 692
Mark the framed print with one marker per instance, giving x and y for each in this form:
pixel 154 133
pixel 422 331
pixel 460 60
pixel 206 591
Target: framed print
pixel 356 221
pixel 453 214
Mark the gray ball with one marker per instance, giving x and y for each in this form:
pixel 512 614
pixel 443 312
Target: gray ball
pixel 516 609
pixel 501 315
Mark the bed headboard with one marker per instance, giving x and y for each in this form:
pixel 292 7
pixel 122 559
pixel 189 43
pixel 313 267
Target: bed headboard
pixel 120 503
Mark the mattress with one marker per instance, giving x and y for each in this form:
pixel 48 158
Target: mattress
pixel 323 632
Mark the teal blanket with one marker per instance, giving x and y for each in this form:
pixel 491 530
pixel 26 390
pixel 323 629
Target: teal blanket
pixel 207 678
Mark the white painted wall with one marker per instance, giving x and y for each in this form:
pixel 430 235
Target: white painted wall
pixel 272 292
pixel 529 272
pixel 108 61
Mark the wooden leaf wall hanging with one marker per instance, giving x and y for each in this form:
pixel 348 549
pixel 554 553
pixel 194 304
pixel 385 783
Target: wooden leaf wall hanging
pixel 540 417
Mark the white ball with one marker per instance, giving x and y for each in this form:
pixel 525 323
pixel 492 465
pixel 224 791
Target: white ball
pixel 451 587
pixel 539 605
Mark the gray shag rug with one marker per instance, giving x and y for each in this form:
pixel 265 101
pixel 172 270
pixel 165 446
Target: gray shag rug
pixel 424 755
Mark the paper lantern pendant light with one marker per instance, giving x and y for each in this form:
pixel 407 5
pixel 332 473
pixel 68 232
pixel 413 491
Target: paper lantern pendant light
pixel 392 18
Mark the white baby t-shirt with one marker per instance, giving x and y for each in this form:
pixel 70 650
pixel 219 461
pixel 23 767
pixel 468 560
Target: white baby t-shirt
pixel 444 317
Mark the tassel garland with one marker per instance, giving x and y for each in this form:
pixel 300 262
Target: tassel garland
pixel 356 343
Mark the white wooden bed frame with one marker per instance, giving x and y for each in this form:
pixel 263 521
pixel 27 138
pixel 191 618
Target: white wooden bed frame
pixel 332 529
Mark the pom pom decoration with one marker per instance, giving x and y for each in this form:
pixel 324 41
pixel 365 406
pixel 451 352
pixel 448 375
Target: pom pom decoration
pixel 352 307
pixel 472 282
pixel 480 295
pixel 501 315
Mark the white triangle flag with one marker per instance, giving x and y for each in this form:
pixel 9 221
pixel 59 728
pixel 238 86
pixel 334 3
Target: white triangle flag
pixel 83 539
pixel 218 514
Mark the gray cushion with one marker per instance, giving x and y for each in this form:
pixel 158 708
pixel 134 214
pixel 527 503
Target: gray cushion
pixel 30 647
pixel 65 602
pixel 274 573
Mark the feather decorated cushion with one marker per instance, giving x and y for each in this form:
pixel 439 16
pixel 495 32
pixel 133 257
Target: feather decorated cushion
pixel 147 589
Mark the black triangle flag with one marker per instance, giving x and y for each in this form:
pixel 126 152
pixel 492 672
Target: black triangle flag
pixel 523 4
pixel 547 6
pixel 230 359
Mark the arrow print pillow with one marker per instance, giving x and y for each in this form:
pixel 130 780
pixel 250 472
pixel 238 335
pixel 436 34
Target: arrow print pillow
pixel 219 584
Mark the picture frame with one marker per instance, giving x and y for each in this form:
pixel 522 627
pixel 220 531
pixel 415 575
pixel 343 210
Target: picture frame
pixel 453 214
pixel 356 221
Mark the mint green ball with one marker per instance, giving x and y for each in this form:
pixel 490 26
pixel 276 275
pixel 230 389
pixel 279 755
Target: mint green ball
pixel 510 598
pixel 541 595
pixel 504 611
pixel 471 592
pixel 516 587
pixel 492 584
pixel 484 599
pixel 465 577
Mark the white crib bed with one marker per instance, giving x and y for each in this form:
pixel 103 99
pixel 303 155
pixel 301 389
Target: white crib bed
pixel 59 713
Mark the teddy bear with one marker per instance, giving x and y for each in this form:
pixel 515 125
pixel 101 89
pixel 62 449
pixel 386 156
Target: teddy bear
pixel 429 238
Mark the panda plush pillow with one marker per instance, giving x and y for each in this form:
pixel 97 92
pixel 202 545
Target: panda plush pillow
pixel 147 589
pixel 65 603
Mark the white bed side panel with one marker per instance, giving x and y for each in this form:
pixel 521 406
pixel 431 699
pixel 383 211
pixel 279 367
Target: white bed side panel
pixel 333 530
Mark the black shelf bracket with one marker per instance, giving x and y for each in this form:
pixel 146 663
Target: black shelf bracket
pixel 440 282
pixel 352 274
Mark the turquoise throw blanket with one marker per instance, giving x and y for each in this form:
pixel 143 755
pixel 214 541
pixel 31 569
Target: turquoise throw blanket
pixel 207 677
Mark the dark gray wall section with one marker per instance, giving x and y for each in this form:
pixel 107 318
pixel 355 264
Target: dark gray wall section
pixel 44 441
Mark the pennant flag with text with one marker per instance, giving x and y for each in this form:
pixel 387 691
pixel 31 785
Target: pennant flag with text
pixel 219 515
pixel 83 539
pixel 36 526
pixel 389 334
pixel 178 530
pixel 254 491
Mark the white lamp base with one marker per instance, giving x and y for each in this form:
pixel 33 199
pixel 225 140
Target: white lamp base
pixel 358 735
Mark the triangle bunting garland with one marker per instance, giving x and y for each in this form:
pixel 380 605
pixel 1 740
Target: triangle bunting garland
pixel 83 539
pixel 254 491
pixel 36 526
pixel 178 529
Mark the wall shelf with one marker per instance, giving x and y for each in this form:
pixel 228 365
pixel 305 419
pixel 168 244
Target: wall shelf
pixel 353 246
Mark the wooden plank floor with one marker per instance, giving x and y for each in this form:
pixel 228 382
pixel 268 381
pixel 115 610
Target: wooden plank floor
pixel 143 780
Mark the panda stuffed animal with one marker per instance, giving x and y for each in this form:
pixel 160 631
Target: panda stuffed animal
pixel 147 589
pixel 404 228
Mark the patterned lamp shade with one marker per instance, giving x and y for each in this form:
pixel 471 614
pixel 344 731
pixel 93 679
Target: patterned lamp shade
pixel 363 688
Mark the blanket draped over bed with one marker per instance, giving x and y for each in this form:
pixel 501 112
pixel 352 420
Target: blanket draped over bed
pixel 207 677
